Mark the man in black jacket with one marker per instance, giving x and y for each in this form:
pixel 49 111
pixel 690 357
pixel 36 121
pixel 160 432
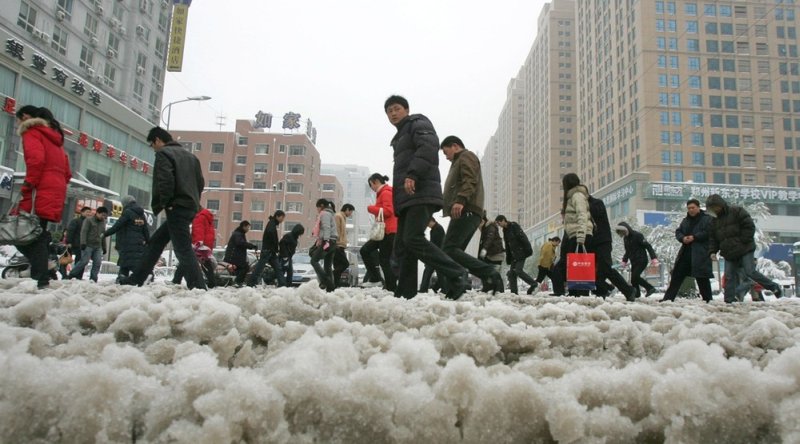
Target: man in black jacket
pixel 236 252
pixel 732 236
pixel 74 234
pixel 518 248
pixel 637 250
pixel 693 259
pixel 132 236
pixel 417 195
pixel 287 248
pixel 177 184
pixel 269 251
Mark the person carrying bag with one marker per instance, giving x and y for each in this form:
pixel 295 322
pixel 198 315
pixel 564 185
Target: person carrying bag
pixel 20 227
pixel 378 228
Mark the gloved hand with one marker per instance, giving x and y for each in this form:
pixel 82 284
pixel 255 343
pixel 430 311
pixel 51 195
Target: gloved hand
pixel 482 253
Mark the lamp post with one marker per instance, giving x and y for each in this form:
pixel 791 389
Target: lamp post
pixel 168 108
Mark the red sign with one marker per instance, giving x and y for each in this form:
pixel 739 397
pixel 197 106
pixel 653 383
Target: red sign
pixel 111 151
pixel 10 105
pixel 83 140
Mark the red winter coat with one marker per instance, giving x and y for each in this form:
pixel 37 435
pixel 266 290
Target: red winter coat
pixel 384 200
pixel 203 228
pixel 46 169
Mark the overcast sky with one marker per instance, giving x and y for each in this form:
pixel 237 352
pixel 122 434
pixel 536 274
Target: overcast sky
pixel 337 61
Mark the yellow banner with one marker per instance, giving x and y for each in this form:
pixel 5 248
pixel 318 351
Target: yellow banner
pixel 177 37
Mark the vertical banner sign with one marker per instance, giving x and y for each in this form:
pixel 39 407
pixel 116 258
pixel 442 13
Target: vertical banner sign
pixel 177 36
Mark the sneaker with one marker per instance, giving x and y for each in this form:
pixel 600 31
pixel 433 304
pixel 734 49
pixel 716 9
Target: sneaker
pixel 533 287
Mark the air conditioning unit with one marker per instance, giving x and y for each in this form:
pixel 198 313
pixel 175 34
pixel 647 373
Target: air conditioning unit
pixel 99 9
pixel 115 23
pixel 122 30
pixel 95 41
pixel 159 86
pixel 140 70
pixel 111 53
pixel 139 30
pixel 37 33
pixel 143 5
pixel 61 15
pixel 90 71
pixel 98 78
pixel 45 37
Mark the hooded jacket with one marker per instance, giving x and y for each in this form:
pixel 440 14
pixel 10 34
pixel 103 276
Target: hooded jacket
pixel 637 248
pixel 383 199
pixel 464 184
pixel 132 234
pixel 46 169
pixel 269 241
pixel 416 156
pixel 518 246
pixel 177 179
pixel 698 226
pixel 577 218
pixel 288 243
pixel 236 251
pixel 203 229
pixel 732 230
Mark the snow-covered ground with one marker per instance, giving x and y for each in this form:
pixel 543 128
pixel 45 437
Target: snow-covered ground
pixel 85 362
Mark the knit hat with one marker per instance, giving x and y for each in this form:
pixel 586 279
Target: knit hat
pixel 127 200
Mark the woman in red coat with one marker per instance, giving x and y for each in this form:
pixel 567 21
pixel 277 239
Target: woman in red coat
pixel 373 252
pixel 203 234
pixel 203 228
pixel 47 173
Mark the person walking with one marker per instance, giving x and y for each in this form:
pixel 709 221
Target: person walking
pixel 44 190
pixel 236 253
pixel 547 257
pixel 93 245
pixel 269 251
pixel 177 184
pixel 637 250
pixel 490 247
pixel 340 260
pixel 377 254
pixel 437 238
pixel 693 258
pixel 325 246
pixel 204 239
pixel 732 234
pixel 74 235
pixel 417 195
pixel 579 225
pixel 518 248
pixel 132 235
pixel 463 203
pixel 287 248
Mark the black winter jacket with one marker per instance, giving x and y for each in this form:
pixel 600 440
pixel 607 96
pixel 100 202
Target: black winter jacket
pixel 518 247
pixel 636 247
pixel 732 230
pixel 288 243
pixel 131 237
pixel 269 242
pixel 177 179
pixel 236 251
pixel 699 227
pixel 491 240
pixel 416 156
pixel 74 232
pixel 602 227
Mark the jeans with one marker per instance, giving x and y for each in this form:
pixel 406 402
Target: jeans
pixel 271 258
pixel 175 229
pixel 743 270
pixel 518 271
pixel 459 233
pixel 412 246
pixel 324 273
pixel 682 270
pixel 377 254
pixel 95 254
pixel 38 254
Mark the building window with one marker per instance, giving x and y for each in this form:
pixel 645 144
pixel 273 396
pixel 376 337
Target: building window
pixel 241 141
pixel 719 178
pixel 138 88
pixel 750 179
pixel 215 167
pixel 699 177
pixel 239 179
pixel 734 160
pixel 241 160
pixel 27 16
pixel 257 205
pixel 214 183
pixel 90 27
pixel 59 40
pixel 161 48
pixel 294 207
pixel 238 197
pixel 237 216
pixel 282 149
pixel 260 167
pixel 735 178
pixel 698 158
pixel 212 204
pixel 294 187
pixel 217 148
pixel 110 75
pixel 141 61
pixel 87 57
pixel 260 185
pixel 295 168
pixel 297 150
pixel 281 167
pixel 262 148
pixel 749 161
pixel 329 187
pixel 717 159
pixel 65 6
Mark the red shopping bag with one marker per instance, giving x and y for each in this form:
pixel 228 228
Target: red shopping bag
pixel 580 271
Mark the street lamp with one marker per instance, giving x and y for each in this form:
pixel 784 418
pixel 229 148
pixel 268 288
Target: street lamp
pixel 169 106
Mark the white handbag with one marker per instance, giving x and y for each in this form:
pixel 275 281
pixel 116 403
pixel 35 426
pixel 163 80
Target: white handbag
pixel 378 229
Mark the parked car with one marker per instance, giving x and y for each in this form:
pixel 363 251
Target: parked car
pixel 303 271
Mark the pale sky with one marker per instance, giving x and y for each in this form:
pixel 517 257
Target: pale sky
pixel 337 61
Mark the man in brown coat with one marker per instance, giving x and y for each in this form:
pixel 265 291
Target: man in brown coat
pixel 547 257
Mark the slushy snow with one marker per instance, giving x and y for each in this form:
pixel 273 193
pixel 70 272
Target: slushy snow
pixel 84 362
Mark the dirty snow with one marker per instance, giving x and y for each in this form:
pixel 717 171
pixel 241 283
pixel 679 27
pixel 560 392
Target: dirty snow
pixel 85 362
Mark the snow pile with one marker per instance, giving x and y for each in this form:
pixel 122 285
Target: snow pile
pixel 84 362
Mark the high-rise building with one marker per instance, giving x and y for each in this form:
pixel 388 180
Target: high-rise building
pixel 356 191
pixel 251 173
pixel 490 175
pixel 99 66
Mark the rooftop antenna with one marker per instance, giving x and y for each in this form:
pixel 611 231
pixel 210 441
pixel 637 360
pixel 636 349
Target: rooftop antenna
pixel 220 121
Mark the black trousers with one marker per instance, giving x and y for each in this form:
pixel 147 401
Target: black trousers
pixel 176 230
pixel 377 254
pixel 543 273
pixel 605 270
pixel 37 253
pixel 518 271
pixel 206 266
pixel 340 263
pixel 682 270
pixel 271 258
pixel 412 246
pixel 636 276
pixel 459 233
